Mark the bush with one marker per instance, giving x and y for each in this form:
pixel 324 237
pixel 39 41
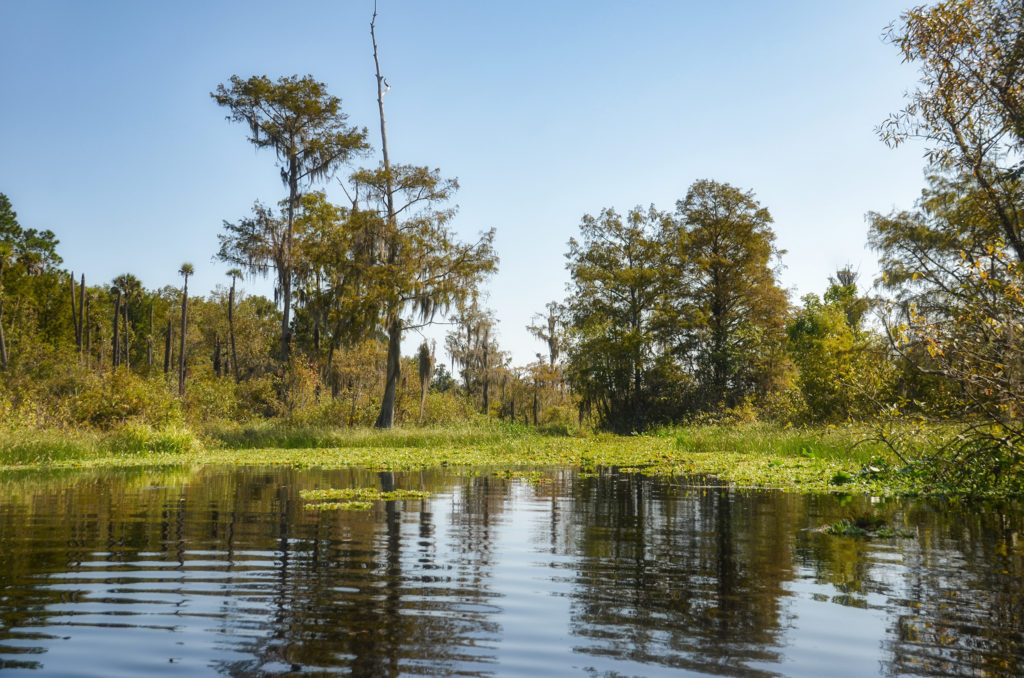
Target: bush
pixel 214 398
pixel 258 397
pixel 117 397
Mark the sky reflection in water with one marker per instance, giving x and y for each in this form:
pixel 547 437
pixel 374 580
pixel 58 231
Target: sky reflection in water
pixel 223 571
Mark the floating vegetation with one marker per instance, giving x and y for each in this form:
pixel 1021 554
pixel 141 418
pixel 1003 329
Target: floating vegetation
pixel 531 477
pixel 865 526
pixel 340 506
pixel 361 494
pixel 743 456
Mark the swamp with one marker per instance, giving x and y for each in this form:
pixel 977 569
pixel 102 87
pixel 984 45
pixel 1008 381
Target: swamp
pixel 548 571
pixel 317 430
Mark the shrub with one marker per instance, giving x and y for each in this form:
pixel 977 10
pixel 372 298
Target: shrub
pixel 117 397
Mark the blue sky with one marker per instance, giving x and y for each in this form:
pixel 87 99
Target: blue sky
pixel 545 111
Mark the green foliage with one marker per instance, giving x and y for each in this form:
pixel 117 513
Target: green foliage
pixel 969 106
pixel 672 316
pixel 114 398
pixel 136 438
pixel 727 324
pixel 617 285
pixel 843 369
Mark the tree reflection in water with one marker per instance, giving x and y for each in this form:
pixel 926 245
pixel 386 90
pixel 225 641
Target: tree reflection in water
pixel 615 574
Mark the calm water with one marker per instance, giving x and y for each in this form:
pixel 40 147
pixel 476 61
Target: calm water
pixel 211 572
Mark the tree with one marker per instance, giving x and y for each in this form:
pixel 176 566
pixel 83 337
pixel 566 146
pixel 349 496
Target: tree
pixel 842 366
pixel 29 284
pixel 234 274
pixel 550 329
pixel 10 235
pixel 129 290
pixel 955 321
pixel 115 357
pixel 185 271
pixel 335 250
pixel 473 346
pixel 420 268
pixel 425 363
pixel 617 282
pixel 305 127
pixel 726 322
pixel 970 103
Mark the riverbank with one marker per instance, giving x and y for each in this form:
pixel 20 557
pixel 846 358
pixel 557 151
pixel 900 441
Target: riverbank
pixel 826 459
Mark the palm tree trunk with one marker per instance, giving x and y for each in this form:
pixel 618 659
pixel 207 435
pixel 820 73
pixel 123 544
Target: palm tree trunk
pixel 74 315
pixel 87 324
pixel 167 346
pixel 181 348
pixel 116 354
pixel 127 334
pixel 81 314
pixel 231 330
pixel 149 342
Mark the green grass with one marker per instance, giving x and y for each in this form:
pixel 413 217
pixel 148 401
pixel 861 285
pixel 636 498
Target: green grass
pixel 274 435
pixel 827 459
pixel 842 444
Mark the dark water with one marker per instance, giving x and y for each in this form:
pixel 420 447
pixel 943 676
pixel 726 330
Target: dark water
pixel 225 572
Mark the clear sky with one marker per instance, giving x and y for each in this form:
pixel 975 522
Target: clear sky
pixel 545 111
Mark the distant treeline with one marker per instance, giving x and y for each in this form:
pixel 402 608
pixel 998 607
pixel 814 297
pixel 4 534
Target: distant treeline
pixel 672 316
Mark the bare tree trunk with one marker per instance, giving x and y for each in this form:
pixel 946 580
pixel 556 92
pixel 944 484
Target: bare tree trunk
pixel 3 342
pixel 127 338
pixel 75 316
pixel 149 342
pixel 87 323
pixel 536 404
pixel 386 418
pixel 167 346
pixel 332 379
pixel 81 314
pixel 181 348
pixel 231 329
pixel 116 353
pixel 216 356
pixel 487 402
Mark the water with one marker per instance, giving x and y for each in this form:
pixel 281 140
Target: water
pixel 223 571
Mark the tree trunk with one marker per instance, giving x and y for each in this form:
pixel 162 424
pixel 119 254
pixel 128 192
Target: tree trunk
pixel 127 334
pixel 167 346
pixel 75 316
pixel 536 408
pixel 116 348
pixel 216 356
pixel 386 418
pixel 149 342
pixel 487 402
pixel 3 342
pixel 87 324
pixel 231 330
pixel 286 272
pixel 181 348
pixel 81 314
pixel 331 378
